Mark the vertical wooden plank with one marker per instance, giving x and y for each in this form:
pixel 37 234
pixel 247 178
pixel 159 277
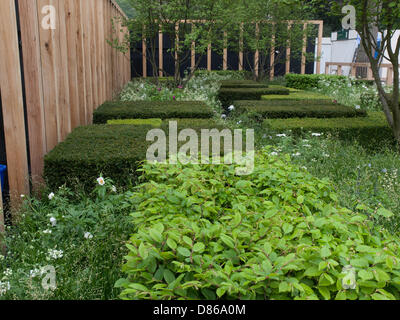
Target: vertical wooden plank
pixel 50 93
pixel 319 50
pixel 389 80
pixel 257 54
pixel 108 49
pixel 29 24
pixel 94 53
pixel 327 68
pixel 100 48
pixel 12 102
pixel 74 86
pixel 87 58
pixel 80 63
pixel 288 51
pixel 144 54
pixel 64 113
pixel 304 50
pixel 339 70
pixel 353 70
pixel 225 57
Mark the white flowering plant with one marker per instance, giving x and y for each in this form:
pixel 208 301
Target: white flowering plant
pixel 81 235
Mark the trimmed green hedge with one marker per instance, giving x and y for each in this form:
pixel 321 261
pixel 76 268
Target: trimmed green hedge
pixel 116 110
pixel 242 84
pixel 297 109
pixel 112 150
pixel 138 122
pixel 308 81
pixel 228 95
pixel 304 96
pixel 371 131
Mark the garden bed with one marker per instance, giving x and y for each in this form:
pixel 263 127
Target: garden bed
pixel 114 110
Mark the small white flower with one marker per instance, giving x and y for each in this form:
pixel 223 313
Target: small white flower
pixel 88 235
pixel 101 181
pixel 296 154
pixel 282 135
pixel 114 189
pixel 53 221
pixel 231 108
pixel 223 116
pixel 54 254
pixel 22 196
pixel 34 273
pixel 8 273
pixel 358 107
pixel 274 153
pixel 384 171
pixel 4 287
pixel 239 122
pixel 47 231
pixel 307 146
pixel 51 196
pixel 317 134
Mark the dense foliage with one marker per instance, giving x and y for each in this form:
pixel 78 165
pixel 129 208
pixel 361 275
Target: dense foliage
pixel 201 232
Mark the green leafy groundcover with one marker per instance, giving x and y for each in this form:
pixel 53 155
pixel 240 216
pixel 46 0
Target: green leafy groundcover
pixel 203 232
pixel 297 109
pixel 117 110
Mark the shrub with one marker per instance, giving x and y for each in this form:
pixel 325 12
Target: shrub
pixel 202 232
pixel 137 122
pixel 371 131
pixel 298 109
pixel 228 95
pixel 309 81
pixel 114 110
pixel 112 150
pixel 299 95
pixel 242 84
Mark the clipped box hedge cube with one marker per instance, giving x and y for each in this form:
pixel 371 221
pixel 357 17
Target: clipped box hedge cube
pixel 242 84
pixel 120 110
pixel 304 96
pixel 115 151
pixel 297 109
pixel 371 132
pixel 228 95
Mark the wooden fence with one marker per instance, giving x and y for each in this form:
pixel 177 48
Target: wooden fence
pixel 51 80
pixel 354 67
pixel 319 23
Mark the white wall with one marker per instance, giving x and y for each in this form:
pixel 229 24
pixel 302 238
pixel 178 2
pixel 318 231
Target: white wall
pixel 334 50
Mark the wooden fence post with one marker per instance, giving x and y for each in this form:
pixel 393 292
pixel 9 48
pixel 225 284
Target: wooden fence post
pixel 304 50
pixel 319 50
pixel 288 51
pixel 12 103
